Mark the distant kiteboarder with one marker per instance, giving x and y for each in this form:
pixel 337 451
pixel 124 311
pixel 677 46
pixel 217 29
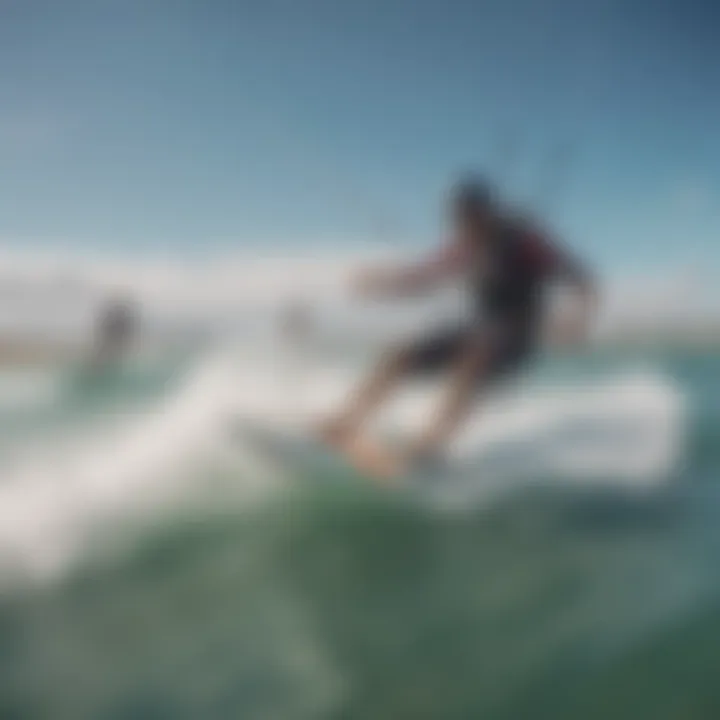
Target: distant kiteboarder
pixel 116 331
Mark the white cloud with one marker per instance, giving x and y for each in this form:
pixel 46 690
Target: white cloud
pixel 56 284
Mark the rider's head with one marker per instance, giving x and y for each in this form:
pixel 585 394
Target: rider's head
pixel 473 203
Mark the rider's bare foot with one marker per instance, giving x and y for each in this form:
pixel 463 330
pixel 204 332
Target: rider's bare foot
pixel 375 460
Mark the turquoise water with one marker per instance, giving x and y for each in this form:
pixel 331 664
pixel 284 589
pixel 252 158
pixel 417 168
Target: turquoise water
pixel 327 599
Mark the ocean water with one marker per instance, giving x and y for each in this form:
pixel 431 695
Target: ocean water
pixel 153 565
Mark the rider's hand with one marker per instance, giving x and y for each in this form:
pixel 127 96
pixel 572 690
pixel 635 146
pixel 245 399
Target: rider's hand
pixel 371 283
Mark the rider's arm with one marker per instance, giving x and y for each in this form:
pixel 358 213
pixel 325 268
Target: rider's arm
pixel 439 267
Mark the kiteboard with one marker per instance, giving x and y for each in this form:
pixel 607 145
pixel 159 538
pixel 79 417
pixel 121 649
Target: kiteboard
pixel 302 451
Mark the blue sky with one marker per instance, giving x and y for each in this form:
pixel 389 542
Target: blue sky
pixel 181 126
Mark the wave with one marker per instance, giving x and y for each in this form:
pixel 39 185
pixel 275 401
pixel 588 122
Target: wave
pixel 63 493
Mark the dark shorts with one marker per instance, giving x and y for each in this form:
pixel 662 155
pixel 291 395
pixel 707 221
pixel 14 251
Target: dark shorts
pixel 509 350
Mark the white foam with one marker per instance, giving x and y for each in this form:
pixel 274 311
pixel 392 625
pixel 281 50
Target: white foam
pixel 55 497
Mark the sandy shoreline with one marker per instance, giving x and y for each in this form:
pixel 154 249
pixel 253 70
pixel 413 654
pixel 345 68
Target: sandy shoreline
pixel 15 352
